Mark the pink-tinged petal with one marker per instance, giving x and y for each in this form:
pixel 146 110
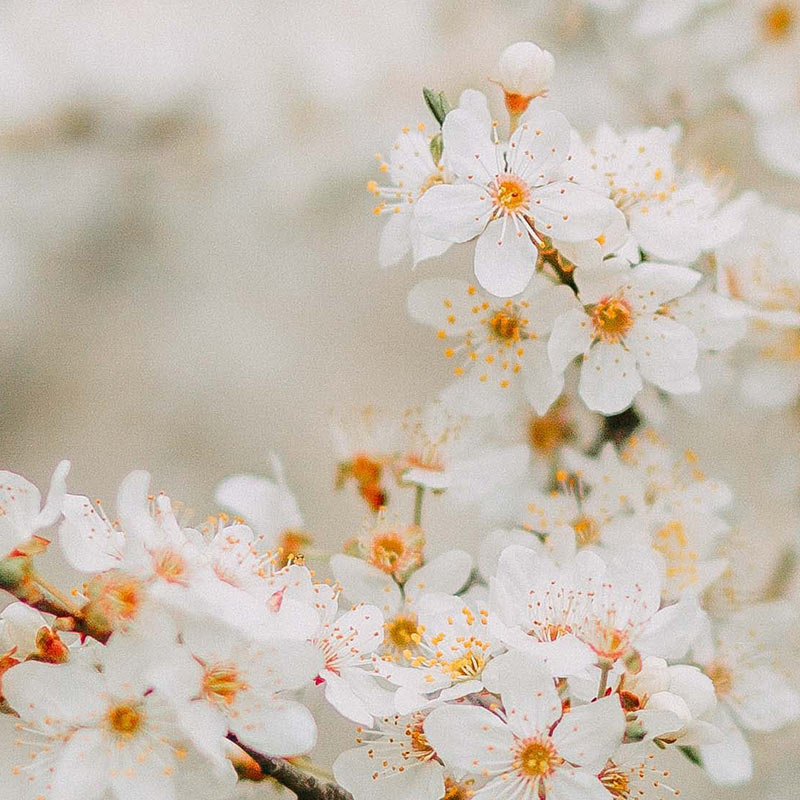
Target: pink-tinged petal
pixel 570 212
pixel 444 303
pixel 83 770
pixel 88 542
pixel 542 383
pixel 395 239
pixel 361 771
pixel 609 378
pixel 276 728
pixel 468 147
pixel 589 735
pixel 571 336
pixel 505 258
pixel 539 145
pixel 453 212
pixel 484 744
pixel 573 784
pixel 363 583
pixel 446 573
pixel 664 349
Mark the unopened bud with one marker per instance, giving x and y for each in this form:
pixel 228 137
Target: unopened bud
pixel 525 72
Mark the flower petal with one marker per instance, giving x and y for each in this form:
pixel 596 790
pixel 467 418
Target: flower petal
pixel 609 378
pixel 453 212
pixel 505 258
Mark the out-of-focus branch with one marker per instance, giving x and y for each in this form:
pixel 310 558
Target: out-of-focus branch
pixel 18 578
pixel 305 786
pixel 617 429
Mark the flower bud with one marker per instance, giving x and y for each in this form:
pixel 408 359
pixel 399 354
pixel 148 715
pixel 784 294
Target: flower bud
pixel 525 73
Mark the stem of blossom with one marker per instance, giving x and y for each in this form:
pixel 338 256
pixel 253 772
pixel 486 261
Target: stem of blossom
pixel 304 785
pixel 418 498
pixel 617 429
pixel 605 668
pixel 54 592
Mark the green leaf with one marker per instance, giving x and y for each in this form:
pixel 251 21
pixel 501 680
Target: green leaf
pixel 437 146
pixel 692 754
pixel 437 103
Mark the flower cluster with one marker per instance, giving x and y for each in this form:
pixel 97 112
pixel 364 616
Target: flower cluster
pixel 583 642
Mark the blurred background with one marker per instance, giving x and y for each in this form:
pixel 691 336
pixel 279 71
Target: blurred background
pixel 188 258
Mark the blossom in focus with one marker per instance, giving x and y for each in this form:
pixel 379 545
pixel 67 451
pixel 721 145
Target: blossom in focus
pixel 533 748
pixel 508 194
pixel 625 333
pixel 502 352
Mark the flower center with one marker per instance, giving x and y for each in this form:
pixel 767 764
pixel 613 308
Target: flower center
pixel 610 643
pixel 402 632
pixel 455 790
pixel 612 319
pixel 467 666
pixel 778 21
pixel 387 551
pixel 722 678
pixel 587 531
pixel 510 194
pixel 536 758
pixel 671 541
pixel 420 746
pixel 124 720
pixel 169 565
pixel 616 782
pixel 548 433
pixel 506 326
pixel 221 684
pixel 116 597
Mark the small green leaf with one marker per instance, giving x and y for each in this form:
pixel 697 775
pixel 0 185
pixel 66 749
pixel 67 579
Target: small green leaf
pixel 437 103
pixel 692 754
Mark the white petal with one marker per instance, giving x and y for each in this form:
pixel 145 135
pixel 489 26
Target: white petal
pixel 277 728
pixel 363 583
pixel 664 349
pixel 589 735
pixel 58 488
pixel 453 212
pixel 88 542
pixel 573 784
pixel 482 744
pixel 571 336
pixel 354 770
pixel 83 769
pixel 443 303
pixel 609 378
pixel 728 762
pixel 468 148
pixel 446 573
pixel 539 144
pixel 395 239
pixel 548 302
pixel 655 284
pixel 505 258
pixel 529 695
pixel 422 246
pixel 570 212
pixel 542 383
pixel 53 695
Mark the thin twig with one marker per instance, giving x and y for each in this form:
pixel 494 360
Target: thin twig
pixel 304 785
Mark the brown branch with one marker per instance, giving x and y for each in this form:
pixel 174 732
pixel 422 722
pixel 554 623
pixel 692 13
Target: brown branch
pixel 305 786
